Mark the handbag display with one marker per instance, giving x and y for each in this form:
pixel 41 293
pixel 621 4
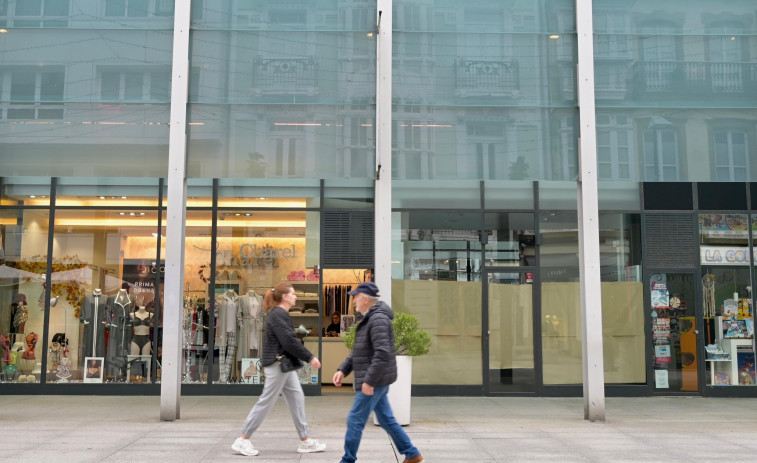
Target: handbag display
pixel 288 363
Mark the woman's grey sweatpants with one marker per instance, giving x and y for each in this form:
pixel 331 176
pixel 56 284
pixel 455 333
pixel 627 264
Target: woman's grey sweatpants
pixel 277 383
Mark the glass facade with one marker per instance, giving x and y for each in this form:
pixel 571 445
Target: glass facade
pixel 281 164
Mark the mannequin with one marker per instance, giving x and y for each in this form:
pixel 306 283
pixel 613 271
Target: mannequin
pixel 249 333
pixel 19 313
pixel 226 327
pixel 141 320
pixel 92 316
pixel 120 306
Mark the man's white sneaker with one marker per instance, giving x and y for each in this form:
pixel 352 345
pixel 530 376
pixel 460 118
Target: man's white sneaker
pixel 310 446
pixel 244 446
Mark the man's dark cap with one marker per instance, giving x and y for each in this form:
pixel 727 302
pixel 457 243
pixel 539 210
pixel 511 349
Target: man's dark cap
pixel 368 288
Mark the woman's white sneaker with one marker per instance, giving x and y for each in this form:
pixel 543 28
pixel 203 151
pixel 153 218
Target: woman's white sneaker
pixel 311 446
pixel 244 446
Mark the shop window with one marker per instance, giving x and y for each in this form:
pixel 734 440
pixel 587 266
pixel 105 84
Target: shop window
pixel 33 94
pixel 106 272
pixel 731 156
pixel 23 251
pixel 437 256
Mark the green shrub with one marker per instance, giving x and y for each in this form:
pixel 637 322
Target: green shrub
pixel 409 339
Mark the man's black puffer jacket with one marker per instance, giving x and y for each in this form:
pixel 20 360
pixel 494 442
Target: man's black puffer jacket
pixel 280 338
pixel 373 358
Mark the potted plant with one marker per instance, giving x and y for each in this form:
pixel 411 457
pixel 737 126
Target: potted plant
pixel 409 341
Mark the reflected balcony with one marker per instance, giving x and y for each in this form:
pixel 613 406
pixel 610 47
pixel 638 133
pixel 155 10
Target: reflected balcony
pixel 477 77
pixel 696 77
pixel 284 76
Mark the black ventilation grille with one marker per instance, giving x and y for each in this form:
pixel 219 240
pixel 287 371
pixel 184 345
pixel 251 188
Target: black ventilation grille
pixel 670 241
pixel 348 239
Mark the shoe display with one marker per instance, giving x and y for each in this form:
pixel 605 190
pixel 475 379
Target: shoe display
pixel 244 446
pixel 310 446
pixel 416 459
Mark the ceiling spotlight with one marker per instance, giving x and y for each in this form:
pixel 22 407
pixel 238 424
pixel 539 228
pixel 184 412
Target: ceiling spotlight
pixel 262 198
pixel 32 196
pixel 237 214
pixel 141 213
pixel 102 197
pixel 247 214
pixel 132 213
pixel 123 197
pixel 122 213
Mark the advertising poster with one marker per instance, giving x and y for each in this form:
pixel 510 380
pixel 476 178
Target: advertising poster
pixel 251 369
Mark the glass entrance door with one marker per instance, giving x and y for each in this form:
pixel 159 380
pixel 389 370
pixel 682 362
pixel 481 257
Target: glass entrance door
pixel 510 332
pixel 675 332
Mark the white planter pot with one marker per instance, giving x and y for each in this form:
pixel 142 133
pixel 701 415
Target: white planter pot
pixel 400 390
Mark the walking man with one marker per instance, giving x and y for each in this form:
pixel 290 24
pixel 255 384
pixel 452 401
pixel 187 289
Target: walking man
pixel 373 359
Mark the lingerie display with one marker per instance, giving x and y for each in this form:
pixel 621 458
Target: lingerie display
pixel 139 341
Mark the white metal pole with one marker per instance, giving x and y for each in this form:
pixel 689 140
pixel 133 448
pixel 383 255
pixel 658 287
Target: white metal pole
pixel 383 189
pixel 170 382
pixel 588 222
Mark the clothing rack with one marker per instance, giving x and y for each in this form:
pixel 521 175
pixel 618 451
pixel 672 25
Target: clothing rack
pixel 336 299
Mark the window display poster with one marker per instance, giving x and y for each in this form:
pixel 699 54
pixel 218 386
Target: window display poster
pixel 662 354
pixel 660 298
pixel 746 368
pixel 661 330
pixel 251 368
pixel 661 379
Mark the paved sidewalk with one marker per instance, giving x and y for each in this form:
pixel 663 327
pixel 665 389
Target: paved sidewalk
pixel 456 429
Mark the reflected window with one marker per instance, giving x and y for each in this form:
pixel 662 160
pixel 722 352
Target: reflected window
pixel 725 57
pixel 607 42
pixel 661 157
pixel 614 151
pixel 127 8
pixel 134 85
pixel 34 93
pixel 731 159
pixel 659 55
pixel 41 13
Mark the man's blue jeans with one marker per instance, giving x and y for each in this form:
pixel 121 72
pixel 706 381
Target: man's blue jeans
pixel 358 416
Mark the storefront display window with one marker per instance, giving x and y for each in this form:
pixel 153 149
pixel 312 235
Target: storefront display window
pixel 104 279
pixel 256 250
pixel 436 270
pixel 622 299
pixel 728 315
pixel 23 263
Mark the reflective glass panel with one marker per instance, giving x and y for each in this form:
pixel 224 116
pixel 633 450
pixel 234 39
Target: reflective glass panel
pixel 436 271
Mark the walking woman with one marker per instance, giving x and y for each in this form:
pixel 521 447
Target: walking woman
pixel 281 351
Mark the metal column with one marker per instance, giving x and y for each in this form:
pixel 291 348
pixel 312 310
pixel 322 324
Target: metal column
pixel 588 222
pixel 383 188
pixel 170 384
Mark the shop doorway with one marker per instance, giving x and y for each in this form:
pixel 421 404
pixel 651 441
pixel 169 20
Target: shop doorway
pixel 510 332
pixel 676 333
